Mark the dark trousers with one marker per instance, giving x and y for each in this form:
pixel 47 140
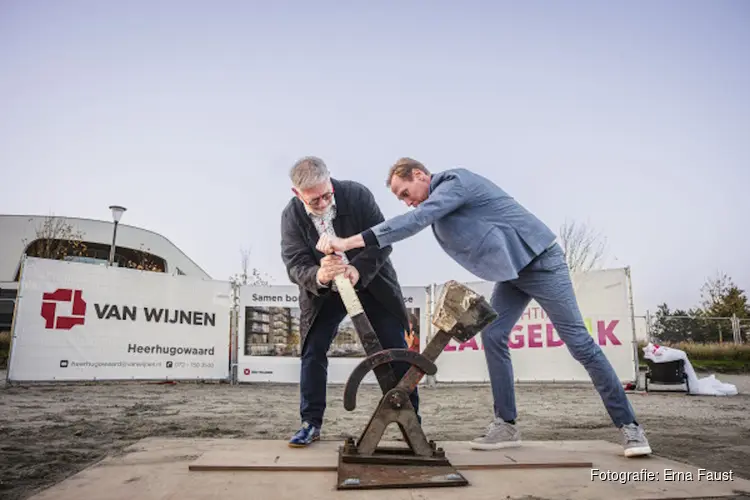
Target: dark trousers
pixel 314 369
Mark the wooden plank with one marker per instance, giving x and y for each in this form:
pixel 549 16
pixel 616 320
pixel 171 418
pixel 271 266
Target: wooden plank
pixel 323 457
pixel 138 474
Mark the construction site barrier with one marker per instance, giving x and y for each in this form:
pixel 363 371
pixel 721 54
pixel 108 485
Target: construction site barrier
pixel 81 322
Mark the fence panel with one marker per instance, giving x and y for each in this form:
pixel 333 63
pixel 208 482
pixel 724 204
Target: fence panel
pixel 536 350
pixel 671 329
pixel 78 321
pixel 7 306
pixel 269 336
pixel 641 328
pixel 744 325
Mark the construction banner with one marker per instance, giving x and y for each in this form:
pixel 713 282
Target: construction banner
pixel 537 351
pixel 269 336
pixel 78 321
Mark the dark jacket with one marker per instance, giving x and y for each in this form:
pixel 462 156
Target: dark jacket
pixel 356 211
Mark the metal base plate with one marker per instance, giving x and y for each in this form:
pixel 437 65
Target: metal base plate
pixel 361 475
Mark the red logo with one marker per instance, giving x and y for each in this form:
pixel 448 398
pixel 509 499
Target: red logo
pixel 49 309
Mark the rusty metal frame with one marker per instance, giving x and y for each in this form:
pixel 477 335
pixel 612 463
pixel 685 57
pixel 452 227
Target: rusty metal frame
pixel 366 465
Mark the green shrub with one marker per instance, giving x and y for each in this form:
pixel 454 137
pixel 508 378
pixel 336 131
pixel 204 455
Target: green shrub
pixel 721 366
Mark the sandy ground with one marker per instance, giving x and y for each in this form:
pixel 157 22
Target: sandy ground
pixel 49 432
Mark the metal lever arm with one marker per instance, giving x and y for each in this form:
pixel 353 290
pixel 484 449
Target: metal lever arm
pixel 367 336
pixel 371 362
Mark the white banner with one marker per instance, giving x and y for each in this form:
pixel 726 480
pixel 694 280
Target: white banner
pixel 269 338
pixel 536 350
pixel 77 321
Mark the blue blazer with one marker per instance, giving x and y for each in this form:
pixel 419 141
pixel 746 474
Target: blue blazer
pixel 475 222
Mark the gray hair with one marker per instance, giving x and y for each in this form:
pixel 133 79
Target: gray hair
pixel 308 172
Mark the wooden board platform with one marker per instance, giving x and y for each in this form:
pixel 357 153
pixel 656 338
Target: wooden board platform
pixel 323 456
pixel 157 469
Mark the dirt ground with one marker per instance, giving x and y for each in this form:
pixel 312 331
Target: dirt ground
pixel 49 432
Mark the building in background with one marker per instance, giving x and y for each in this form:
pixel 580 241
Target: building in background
pixel 272 331
pixel 81 240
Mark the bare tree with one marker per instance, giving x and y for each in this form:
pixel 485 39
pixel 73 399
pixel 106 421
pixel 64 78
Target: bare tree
pixel 715 289
pixel 722 298
pixel 55 239
pixel 584 248
pixel 247 277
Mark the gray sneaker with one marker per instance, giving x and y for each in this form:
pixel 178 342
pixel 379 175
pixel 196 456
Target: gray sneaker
pixel 500 434
pixel 634 441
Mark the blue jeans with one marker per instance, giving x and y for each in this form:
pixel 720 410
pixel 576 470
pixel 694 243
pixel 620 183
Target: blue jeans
pixel 314 369
pixel 547 280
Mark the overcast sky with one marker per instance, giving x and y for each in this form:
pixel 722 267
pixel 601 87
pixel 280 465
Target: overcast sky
pixel 632 118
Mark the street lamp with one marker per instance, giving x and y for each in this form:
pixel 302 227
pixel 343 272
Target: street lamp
pixel 117 212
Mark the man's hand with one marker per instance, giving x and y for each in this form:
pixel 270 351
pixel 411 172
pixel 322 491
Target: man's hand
pixel 331 260
pixel 331 244
pixel 334 263
pixel 330 267
pixel 352 274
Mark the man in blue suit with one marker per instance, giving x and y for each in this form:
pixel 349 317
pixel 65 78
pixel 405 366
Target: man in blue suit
pixel 494 237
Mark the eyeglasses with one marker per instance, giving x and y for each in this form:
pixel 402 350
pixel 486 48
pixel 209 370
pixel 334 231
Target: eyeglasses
pixel 324 197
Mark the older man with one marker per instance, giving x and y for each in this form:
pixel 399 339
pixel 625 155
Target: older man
pixel 491 235
pixel 323 205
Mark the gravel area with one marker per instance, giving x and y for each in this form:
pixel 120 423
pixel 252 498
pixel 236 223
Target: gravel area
pixel 49 432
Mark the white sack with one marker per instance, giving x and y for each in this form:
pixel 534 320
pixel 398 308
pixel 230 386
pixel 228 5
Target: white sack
pixel 707 386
